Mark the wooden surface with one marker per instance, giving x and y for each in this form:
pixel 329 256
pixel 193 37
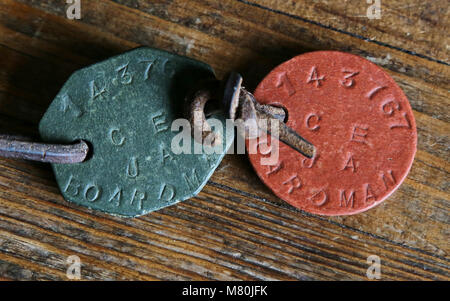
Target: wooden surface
pixel 236 228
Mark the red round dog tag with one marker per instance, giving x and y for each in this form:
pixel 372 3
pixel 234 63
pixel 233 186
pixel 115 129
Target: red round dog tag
pixel 360 122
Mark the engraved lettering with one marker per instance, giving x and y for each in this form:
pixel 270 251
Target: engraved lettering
pixel 369 195
pixel 293 183
pixel 374 91
pixel 359 134
pixel 91 192
pixel 96 92
pixel 139 197
pixel 116 137
pixel 309 162
pixel 148 69
pixel 72 184
pixel 274 168
pixel 314 77
pixel 125 77
pixel 389 106
pixel 165 155
pixel 159 122
pixel 116 196
pixel 349 163
pixel 347 199
pixel 133 168
pixel 192 181
pixel 388 179
pixel 283 81
pixel 402 124
pixel 167 192
pixel 348 80
pixel 319 198
pixel 68 105
pixel 312 122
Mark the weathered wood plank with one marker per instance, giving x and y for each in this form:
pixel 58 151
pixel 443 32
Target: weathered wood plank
pixel 413 26
pixel 236 228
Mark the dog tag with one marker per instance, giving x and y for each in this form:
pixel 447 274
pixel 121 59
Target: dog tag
pixel 125 108
pixel 360 123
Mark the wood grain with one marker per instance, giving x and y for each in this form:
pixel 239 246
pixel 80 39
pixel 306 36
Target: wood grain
pixel 235 229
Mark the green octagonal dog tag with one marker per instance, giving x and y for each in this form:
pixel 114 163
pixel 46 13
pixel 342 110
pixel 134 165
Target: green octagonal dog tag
pixel 124 108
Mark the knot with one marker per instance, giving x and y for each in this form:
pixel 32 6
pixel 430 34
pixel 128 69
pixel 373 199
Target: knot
pixel 240 105
pixel 195 112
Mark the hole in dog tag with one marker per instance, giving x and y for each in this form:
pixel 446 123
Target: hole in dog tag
pixel 126 108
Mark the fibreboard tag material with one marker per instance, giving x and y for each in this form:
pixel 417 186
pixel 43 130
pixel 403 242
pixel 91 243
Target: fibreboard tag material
pixel 124 108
